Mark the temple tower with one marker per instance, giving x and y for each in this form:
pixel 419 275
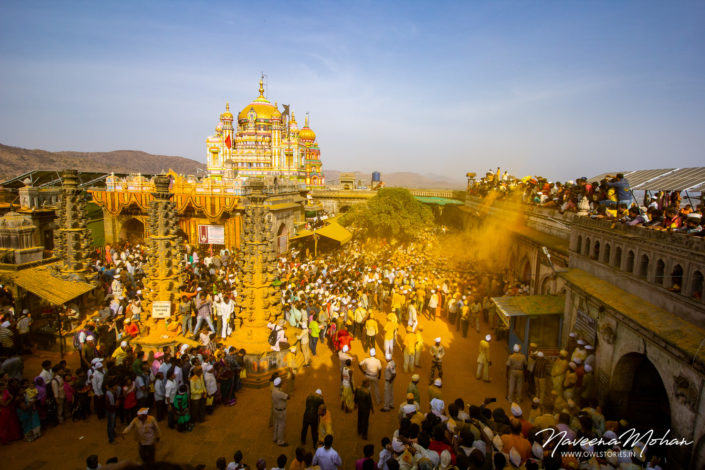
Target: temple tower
pixel 73 242
pixel 259 299
pixel 164 252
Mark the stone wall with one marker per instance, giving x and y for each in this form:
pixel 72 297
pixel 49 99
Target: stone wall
pixel 644 262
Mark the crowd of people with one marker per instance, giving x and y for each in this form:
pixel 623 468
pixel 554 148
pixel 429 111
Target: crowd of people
pixel 609 198
pixel 377 294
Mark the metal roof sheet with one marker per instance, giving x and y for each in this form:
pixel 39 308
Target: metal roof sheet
pixel 678 180
pixel 40 281
pixel 663 179
pixel 518 305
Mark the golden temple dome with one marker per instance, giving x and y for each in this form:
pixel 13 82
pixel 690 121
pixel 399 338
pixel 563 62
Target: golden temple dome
pixel 306 133
pixel 227 115
pixel 276 114
pixel 261 105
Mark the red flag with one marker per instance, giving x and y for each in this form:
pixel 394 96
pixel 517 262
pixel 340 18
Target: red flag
pixel 227 141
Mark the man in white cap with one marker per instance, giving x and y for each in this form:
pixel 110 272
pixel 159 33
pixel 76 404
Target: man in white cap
pixel 147 434
pixel 590 355
pixel 558 371
pixel 413 387
pixel 120 353
pixel 279 401
pixel 434 390
pixel 541 376
pixel 437 352
pixel 580 352
pixel 372 368
pixel 313 402
pixel 225 309
pixel 483 360
pixel 409 349
pixel 516 363
pixel 343 356
pixel 433 302
pixel 572 343
pixel 390 373
pixel 23 329
pixel 588 389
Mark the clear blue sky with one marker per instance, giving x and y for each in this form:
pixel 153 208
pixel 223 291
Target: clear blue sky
pixel 561 89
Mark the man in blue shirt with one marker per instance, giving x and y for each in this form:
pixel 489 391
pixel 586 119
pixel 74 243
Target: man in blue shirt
pixel 621 185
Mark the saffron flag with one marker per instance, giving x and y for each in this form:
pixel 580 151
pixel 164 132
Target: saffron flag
pixel 227 142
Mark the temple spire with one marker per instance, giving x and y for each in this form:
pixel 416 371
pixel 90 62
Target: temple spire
pixel 261 86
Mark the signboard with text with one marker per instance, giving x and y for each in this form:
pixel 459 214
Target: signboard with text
pixel 586 327
pixel 211 234
pixel 161 309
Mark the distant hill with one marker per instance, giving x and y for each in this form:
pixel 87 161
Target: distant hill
pixel 401 178
pixel 15 161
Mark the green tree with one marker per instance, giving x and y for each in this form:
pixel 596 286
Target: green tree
pixel 391 213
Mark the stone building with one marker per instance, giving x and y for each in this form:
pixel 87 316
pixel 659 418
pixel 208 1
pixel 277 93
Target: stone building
pixel 633 293
pixel 18 243
pixel 209 210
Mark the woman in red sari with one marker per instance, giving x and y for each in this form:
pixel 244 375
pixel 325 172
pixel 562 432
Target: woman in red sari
pixel 10 428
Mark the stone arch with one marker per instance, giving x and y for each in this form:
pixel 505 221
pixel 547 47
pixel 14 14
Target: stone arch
pixel 660 272
pixel 618 257
pixel 629 267
pixel 696 285
pixel 638 394
pixel 579 246
pixel 132 230
pixel 546 286
pixel 282 238
pixel 607 253
pixel 643 266
pixel 596 250
pixel 343 209
pixel 676 278
pixel 588 246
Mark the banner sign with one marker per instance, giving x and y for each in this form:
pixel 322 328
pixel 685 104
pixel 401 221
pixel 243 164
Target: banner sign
pixel 161 309
pixel 586 327
pixel 211 234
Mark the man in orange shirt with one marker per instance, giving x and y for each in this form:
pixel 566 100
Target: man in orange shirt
pixel 516 440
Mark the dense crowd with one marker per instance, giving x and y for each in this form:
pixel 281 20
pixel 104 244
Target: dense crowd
pixel 609 198
pixel 374 293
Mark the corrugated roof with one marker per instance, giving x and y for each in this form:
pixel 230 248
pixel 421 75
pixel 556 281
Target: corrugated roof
pixel 664 179
pixel 41 282
pixel 441 201
pixel 334 231
pixel 519 305
pixel 679 180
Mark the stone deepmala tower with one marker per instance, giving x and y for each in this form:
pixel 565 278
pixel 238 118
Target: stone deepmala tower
pixel 73 242
pixel 164 270
pixel 258 298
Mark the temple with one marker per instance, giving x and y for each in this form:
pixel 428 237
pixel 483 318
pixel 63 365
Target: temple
pixel 265 142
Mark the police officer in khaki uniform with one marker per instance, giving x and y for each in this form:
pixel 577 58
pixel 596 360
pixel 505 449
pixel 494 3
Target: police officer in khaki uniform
pixel 279 401
pixel 516 363
pixel 437 353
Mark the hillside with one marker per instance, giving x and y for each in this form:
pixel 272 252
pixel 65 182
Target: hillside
pixel 15 161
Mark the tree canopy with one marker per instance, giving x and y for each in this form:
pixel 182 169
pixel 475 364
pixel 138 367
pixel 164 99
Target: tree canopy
pixel 391 213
